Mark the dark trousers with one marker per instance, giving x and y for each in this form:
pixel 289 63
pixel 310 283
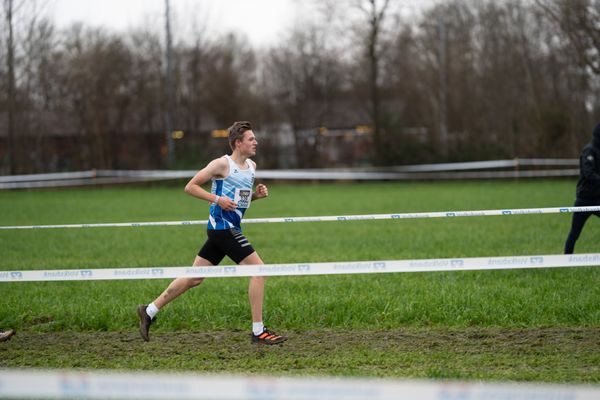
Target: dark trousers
pixel 578 221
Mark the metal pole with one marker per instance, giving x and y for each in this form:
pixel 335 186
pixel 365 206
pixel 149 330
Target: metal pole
pixel 169 87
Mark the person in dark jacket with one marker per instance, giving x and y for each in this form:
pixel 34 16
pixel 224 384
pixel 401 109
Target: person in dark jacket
pixel 588 188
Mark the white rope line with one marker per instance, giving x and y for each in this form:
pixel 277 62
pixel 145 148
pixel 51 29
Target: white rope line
pixel 302 269
pixel 443 167
pixel 442 171
pixel 69 384
pixel 299 175
pixel 436 214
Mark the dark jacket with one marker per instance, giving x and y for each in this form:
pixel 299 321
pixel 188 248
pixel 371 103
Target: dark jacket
pixel 588 186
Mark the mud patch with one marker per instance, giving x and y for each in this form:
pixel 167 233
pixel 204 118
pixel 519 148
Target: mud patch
pixel 546 354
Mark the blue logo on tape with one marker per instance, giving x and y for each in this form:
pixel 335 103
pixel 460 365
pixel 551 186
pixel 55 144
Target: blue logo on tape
pixel 75 386
pixel 157 271
pixel 303 268
pixel 86 273
pixel 16 275
pixel 536 260
pixel 229 270
pixel 506 212
pixel 563 210
pixel 378 266
pixel 450 214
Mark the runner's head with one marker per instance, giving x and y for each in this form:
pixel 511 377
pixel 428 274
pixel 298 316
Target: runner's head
pixel 236 132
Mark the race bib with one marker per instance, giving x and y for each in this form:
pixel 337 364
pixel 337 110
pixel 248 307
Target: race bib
pixel 243 197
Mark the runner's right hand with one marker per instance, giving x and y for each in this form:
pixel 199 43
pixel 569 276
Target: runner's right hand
pixel 227 204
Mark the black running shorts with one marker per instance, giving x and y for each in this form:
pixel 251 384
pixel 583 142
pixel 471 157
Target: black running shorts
pixel 227 242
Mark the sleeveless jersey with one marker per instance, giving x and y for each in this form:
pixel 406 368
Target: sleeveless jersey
pixel 238 187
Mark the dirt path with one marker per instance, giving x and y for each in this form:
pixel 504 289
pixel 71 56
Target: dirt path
pixel 546 354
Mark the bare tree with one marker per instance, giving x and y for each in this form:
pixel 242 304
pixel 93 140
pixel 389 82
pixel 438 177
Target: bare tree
pixel 231 66
pixel 578 21
pixel 305 78
pixel 98 85
pixel 575 44
pixel 193 79
pixel 40 91
pixel 10 64
pixel 369 30
pixel 25 24
pixel 511 78
pixel 375 12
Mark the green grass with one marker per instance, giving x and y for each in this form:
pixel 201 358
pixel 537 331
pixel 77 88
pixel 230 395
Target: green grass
pixel 496 301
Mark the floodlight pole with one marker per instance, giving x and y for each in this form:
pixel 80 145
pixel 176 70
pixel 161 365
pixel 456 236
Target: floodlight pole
pixel 169 87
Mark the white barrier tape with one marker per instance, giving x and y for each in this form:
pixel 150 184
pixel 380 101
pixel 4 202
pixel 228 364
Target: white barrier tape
pixel 297 175
pixel 439 167
pixel 132 173
pixel 301 269
pixel 16 384
pixel 457 166
pixel 92 181
pixel 514 163
pixel 45 177
pixel 329 218
pixel 405 172
pixel 365 176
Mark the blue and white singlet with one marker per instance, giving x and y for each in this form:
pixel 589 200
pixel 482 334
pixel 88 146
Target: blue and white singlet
pixel 238 187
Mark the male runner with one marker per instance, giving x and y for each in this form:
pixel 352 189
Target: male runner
pixel 232 182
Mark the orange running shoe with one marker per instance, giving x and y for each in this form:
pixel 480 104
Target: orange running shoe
pixel 268 337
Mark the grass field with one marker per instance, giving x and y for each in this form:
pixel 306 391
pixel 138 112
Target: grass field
pixel 541 325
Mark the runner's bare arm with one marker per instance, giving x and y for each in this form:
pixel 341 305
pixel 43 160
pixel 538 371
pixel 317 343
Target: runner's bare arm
pixel 215 169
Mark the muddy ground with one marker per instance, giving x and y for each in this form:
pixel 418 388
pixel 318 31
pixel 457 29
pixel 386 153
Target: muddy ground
pixel 544 354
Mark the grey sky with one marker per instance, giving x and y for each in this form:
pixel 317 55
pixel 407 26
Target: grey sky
pixel 261 20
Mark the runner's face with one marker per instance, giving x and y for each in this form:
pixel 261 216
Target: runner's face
pixel 248 144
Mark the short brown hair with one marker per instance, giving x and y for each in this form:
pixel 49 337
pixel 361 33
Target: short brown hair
pixel 236 132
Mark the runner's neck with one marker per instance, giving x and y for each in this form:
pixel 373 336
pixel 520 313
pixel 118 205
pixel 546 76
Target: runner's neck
pixel 240 160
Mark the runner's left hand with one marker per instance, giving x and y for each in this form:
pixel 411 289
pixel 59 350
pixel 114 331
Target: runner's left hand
pixel 261 191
